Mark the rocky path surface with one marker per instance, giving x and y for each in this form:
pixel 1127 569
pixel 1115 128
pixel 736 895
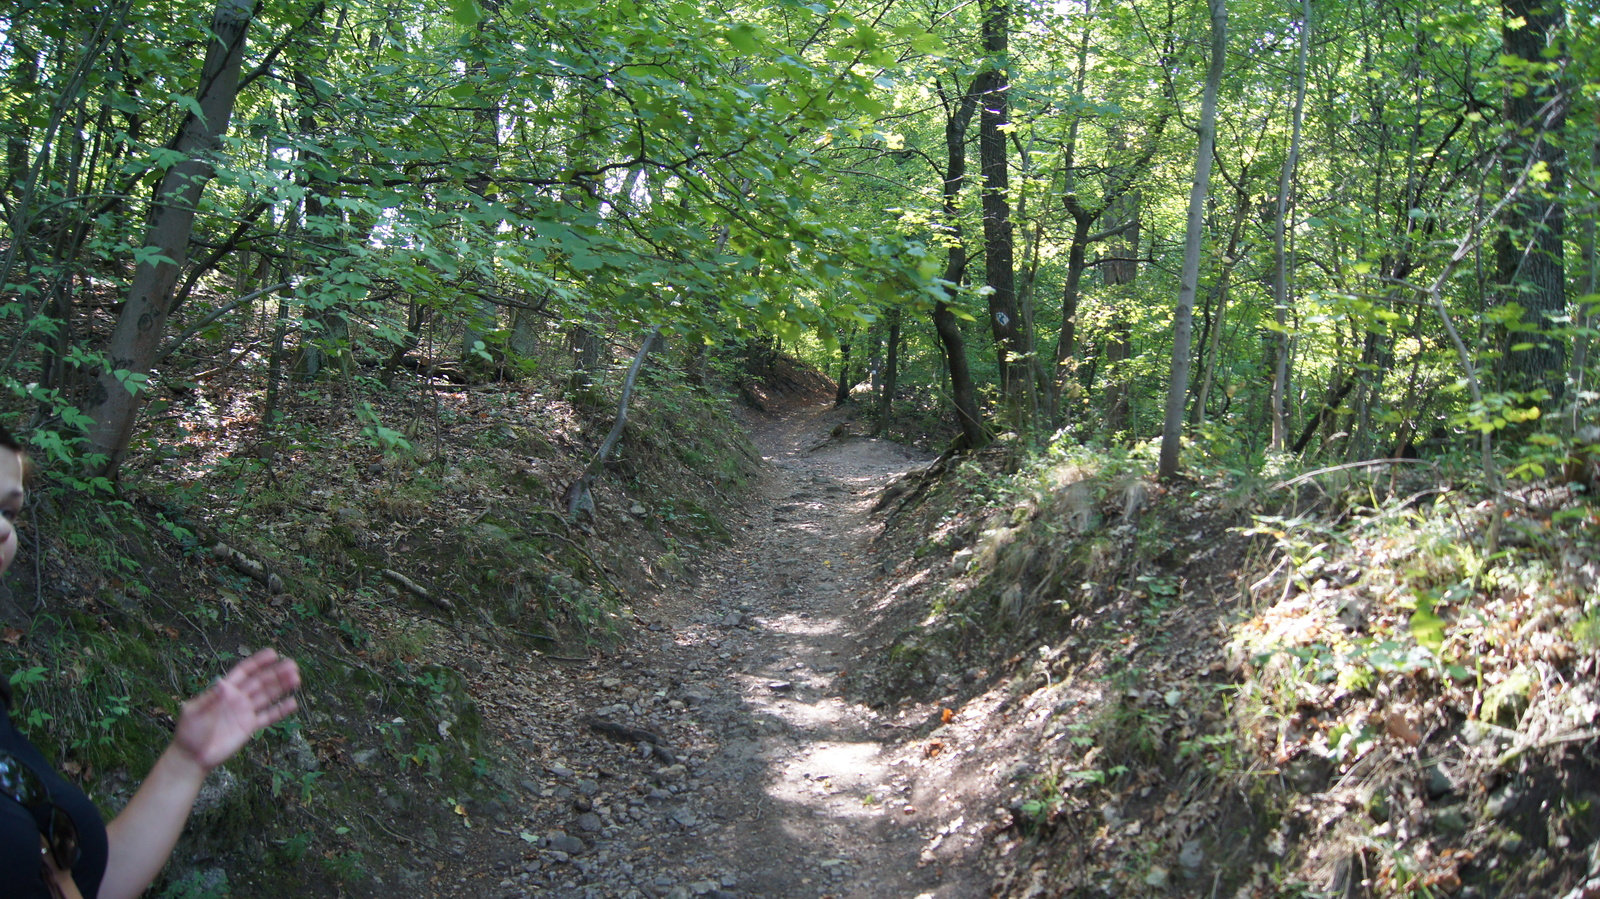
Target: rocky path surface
pixel 713 755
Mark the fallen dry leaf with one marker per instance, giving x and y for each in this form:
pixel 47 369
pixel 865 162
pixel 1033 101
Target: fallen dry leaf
pixel 1402 729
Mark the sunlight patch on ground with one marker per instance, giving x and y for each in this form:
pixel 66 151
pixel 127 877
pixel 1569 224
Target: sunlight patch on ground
pixel 838 779
pixel 855 762
pixel 807 715
pixel 810 627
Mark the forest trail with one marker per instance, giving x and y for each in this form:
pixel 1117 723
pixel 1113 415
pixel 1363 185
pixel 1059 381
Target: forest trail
pixel 771 783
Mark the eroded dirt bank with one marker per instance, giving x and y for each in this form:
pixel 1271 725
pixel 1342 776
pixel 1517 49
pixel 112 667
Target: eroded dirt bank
pixel 713 753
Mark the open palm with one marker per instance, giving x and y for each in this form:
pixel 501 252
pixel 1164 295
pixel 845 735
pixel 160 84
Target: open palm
pixel 258 692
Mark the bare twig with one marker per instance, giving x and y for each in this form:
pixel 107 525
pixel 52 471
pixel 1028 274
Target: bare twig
pixel 581 551
pixel 215 314
pixel 416 589
pixel 1572 737
pixel 1369 463
pixel 577 495
pixel 251 568
pixel 385 828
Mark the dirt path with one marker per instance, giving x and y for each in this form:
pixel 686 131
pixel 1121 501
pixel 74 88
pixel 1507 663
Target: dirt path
pixel 767 782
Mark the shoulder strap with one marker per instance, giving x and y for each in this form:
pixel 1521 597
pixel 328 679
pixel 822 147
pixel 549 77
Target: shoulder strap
pixel 60 882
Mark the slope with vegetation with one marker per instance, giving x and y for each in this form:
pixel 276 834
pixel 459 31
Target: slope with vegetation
pixel 1320 685
pixel 394 565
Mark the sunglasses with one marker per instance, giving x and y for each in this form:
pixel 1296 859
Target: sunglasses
pixel 19 782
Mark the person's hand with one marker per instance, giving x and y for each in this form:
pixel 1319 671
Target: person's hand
pixel 258 692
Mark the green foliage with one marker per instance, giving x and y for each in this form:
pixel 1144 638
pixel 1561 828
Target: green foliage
pixel 1587 631
pixel 346 867
pixel 391 442
pixel 199 885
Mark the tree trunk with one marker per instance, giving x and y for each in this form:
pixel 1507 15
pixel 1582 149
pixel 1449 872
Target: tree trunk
pixel 1118 400
pixel 585 344
pixel 1376 358
pixel 841 393
pixel 1529 263
pixel 332 338
pixel 891 374
pixel 485 318
pixel 962 392
pixel 1336 396
pixel 1122 203
pixel 578 496
pixel 1591 283
pixel 1178 386
pixel 114 401
pixel 1212 339
pixel 1071 290
pixel 24 83
pixel 1012 340
pixel 1280 255
pixel 525 330
pixel 1082 221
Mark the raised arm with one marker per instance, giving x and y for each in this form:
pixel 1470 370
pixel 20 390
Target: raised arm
pixel 212 727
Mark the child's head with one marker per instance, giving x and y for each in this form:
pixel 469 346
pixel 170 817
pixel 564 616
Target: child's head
pixel 13 472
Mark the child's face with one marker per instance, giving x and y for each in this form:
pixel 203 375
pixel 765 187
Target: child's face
pixel 10 504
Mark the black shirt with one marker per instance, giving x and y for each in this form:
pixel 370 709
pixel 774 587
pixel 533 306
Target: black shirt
pixel 19 835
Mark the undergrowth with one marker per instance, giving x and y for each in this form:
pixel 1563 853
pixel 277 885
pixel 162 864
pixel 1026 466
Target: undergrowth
pixel 1253 684
pixel 384 539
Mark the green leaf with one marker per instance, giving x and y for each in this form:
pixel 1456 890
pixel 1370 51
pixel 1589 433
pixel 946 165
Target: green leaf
pixel 188 103
pixel 467 13
pixel 585 261
pixel 743 37
pixel 132 380
pixel 151 256
pixel 1427 628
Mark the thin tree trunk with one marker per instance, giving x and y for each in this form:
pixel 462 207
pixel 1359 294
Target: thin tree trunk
pixel 485 318
pixel 286 269
pixel 841 393
pixel 114 401
pixel 1213 335
pixel 1591 283
pixel 962 392
pixel 1376 360
pixel 1081 223
pixel 1280 280
pixel 1119 388
pixel 1178 386
pixel 331 344
pixel 1071 290
pixel 1335 397
pixel 578 497
pixel 24 83
pixel 891 374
